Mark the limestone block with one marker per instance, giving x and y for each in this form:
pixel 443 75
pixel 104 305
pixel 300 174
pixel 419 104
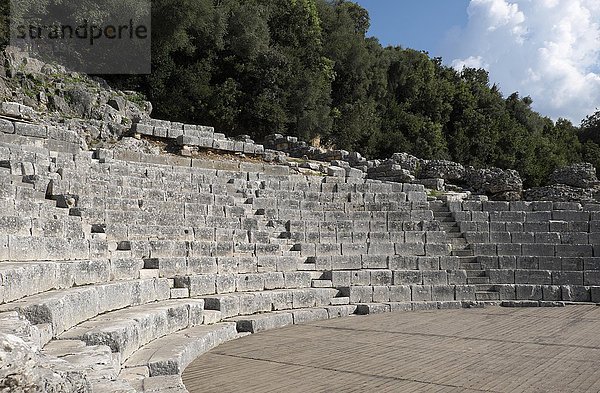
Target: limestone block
pixel 381 294
pixel 438 249
pixel 171 267
pixel 527 262
pixel 33 130
pixel 229 305
pixel 127 330
pixel 457 277
pixel 372 308
pixel 341 278
pixel 502 276
pixel 180 293
pixel 381 277
pixel 259 323
pixel 303 298
pixel 20 280
pixel 280 300
pixel 398 262
pixel 267 249
pixel 595 294
pixel 551 293
pixel 287 263
pixel 443 293
pixel 274 280
pixel 360 277
pixel 421 293
pixel 575 250
pixel 202 265
pixel 410 249
pixel 404 277
pixel 567 278
pixel 12 225
pixel 400 293
pixel 226 283
pixel 336 171
pixel 297 279
pixel 550 263
pixel 309 315
pixel 7 127
pixel 449 262
pixel 576 293
pixel 529 292
pixel 381 248
pixel 362 294
pixel 508 249
pixel 340 311
pixel 538 250
pixel 172 354
pixel 507 262
pixel 354 249
pixel 198 285
pixel 123 269
pixel 250 282
pixel 144 129
pixel 435 277
pixel 533 277
pixel 346 262
pixel 465 292
pixel 252 303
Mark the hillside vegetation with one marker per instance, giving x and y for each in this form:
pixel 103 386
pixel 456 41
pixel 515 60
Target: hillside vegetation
pixel 306 68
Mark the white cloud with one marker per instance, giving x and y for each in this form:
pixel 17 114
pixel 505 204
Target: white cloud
pixel 471 61
pixel 548 49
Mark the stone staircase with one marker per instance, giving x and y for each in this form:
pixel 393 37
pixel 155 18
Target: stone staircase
pixel 476 274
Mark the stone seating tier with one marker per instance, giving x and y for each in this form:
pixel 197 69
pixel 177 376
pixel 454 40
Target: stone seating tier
pixel 128 265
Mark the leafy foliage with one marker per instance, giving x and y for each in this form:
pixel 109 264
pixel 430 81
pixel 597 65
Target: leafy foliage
pixel 306 68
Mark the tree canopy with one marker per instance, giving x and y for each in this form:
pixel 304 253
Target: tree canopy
pixel 306 68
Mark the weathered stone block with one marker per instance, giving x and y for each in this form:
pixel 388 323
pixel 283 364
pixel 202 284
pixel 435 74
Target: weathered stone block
pixel 442 293
pixel 421 293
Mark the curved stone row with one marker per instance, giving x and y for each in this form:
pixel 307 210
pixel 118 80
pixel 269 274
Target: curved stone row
pixel 128 266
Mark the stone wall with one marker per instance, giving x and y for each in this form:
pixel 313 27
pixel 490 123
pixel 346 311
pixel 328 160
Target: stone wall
pixel 536 250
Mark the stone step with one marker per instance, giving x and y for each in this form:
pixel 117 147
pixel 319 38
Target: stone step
pixel 263 322
pixel 476 266
pixel 321 284
pixel 210 317
pixel 467 259
pixel 249 303
pixel 377 308
pixel 126 330
pixel 340 301
pixel 475 273
pixel 63 309
pixel 485 288
pixel 478 280
pixel 171 354
pixel 98 361
pixel 462 253
pixel 438 207
pixel 487 296
pixel 449 225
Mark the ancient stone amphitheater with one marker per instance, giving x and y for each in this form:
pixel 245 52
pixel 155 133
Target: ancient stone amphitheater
pixel 124 267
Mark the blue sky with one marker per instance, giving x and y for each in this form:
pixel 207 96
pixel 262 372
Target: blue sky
pixel 420 24
pixel 547 49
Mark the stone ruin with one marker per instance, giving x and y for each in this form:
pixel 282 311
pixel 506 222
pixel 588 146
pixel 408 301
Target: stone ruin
pixel 121 266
